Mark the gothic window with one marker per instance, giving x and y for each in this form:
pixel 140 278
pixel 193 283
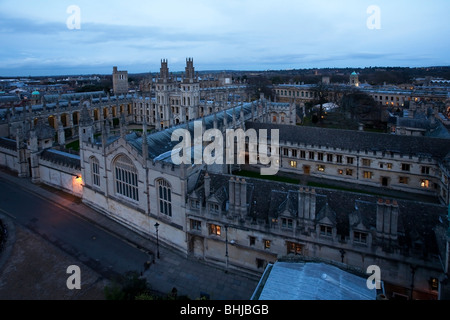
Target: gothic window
pixel 126 178
pixel 95 171
pixel 164 197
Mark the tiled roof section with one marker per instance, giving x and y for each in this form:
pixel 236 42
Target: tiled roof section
pixel 357 140
pixel 269 199
pixel 8 144
pixel 62 158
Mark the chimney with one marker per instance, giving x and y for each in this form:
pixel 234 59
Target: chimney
pixel 207 181
pixel 387 219
pixel 380 215
pixel 312 205
pixel 303 203
pixel 243 198
pixel 394 220
pixel 231 185
pixel 237 196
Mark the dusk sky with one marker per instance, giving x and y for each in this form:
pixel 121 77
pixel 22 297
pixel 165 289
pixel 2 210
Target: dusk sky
pixel 231 34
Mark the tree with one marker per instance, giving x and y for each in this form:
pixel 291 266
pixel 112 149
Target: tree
pixel 127 287
pixel 321 94
pixel 257 85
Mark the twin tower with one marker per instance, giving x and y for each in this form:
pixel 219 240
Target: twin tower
pixel 120 78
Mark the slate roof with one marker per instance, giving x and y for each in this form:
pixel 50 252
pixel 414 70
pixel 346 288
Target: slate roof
pixel 8 144
pixel 269 199
pixel 358 140
pixel 62 158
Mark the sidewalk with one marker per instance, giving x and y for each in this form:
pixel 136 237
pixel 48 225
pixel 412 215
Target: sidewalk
pixel 192 278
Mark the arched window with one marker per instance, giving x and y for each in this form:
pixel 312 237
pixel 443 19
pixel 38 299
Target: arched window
pixel 165 197
pixel 126 178
pixel 95 171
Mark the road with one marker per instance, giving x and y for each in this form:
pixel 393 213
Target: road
pixel 95 247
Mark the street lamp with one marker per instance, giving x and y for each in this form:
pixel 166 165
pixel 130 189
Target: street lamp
pixel 157 239
pixel 226 247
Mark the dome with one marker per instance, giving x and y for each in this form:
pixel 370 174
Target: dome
pixel 354 73
pixel 35 93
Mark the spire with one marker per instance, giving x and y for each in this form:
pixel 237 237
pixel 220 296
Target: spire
pixel 85 117
pixel 123 125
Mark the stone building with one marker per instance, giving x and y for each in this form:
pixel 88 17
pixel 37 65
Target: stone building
pixel 120 81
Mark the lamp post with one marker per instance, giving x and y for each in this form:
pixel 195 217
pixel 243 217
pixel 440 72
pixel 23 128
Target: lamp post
pixel 226 247
pixel 157 239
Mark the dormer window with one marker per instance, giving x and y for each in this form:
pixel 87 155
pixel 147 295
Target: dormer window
pixel 326 231
pixel 213 208
pixel 360 237
pixel 195 204
pixel 286 223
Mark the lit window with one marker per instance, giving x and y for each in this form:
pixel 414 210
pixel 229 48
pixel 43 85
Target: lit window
pixel 425 183
pixel 403 180
pixel 349 172
pixel 294 248
pixel 368 175
pixel 214 229
pixel 389 166
pixel 165 197
pixel 293 164
pixel 125 178
pixel 321 168
pixel 267 244
pixel 340 171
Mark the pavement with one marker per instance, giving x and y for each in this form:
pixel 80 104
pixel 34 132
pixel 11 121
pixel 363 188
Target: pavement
pixel 30 266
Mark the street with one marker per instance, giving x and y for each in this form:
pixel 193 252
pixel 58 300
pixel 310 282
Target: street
pixel 97 248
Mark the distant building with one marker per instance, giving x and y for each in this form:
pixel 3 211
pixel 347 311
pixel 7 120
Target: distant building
pixel 120 81
pixel 354 79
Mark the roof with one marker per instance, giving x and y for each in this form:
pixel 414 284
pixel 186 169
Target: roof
pixel 311 281
pixel 345 210
pixel 358 140
pixel 160 144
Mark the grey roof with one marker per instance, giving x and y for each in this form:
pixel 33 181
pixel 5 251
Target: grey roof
pixel 358 140
pixel 8 143
pixel 345 209
pixel 62 158
pixel 160 145
pixel 312 281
